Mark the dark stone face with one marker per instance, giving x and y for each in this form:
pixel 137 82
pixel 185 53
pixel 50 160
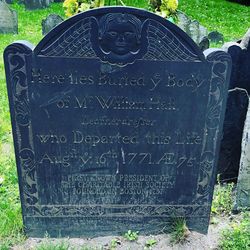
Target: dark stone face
pixel 240 54
pixel 120 39
pixel 230 151
pixel 116 125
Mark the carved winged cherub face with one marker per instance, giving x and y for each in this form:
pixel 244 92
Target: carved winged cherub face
pixel 120 34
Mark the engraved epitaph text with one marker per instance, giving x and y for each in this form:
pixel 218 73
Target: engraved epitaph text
pixel 116 119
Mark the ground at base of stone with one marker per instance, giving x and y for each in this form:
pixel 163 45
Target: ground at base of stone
pixel 194 241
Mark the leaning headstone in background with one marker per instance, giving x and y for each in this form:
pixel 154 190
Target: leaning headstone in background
pixel 230 149
pixel 116 124
pixel 240 54
pixel 37 4
pixel 243 184
pixel 50 22
pixel 8 19
pixel 192 27
pixel 204 44
pixel 216 37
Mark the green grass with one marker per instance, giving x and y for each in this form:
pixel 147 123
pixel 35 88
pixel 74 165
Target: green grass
pixel 179 231
pixel 238 236
pixel 229 18
pixel 222 201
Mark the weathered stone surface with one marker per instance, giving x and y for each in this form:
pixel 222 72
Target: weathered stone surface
pixel 240 53
pixel 243 184
pixel 8 19
pixel 116 125
pixel 216 37
pixel 192 27
pixel 37 4
pixel 50 22
pixel 230 151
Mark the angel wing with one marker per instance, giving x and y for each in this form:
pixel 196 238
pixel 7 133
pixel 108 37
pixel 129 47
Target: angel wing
pixel 74 42
pixel 164 45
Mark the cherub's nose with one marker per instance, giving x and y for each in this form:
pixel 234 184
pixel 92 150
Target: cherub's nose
pixel 121 37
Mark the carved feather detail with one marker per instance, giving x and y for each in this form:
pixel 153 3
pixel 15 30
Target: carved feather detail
pixel 164 45
pixel 74 42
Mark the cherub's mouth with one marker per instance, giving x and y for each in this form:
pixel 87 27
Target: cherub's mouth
pixel 121 44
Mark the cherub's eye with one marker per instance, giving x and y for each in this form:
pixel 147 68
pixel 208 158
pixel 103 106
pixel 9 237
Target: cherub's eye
pixel 112 33
pixel 128 33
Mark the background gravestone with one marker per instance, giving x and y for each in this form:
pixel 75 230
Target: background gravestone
pixel 229 162
pixel 216 37
pixel 50 22
pixel 243 184
pixel 230 149
pixel 8 19
pixel 37 4
pixel 116 124
pixel 192 27
pixel 240 53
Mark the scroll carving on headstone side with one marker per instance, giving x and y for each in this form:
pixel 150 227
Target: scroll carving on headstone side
pixel 22 128
pixel 117 117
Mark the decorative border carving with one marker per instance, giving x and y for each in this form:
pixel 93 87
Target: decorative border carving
pixel 214 119
pixel 122 211
pixel 15 61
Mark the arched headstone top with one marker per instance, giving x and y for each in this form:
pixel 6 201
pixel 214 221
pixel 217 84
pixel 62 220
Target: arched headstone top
pixel 119 35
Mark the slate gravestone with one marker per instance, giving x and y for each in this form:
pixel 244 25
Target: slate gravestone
pixel 50 22
pixel 216 37
pixel 36 4
pixel 204 43
pixel 240 53
pixel 243 184
pixel 230 150
pixel 8 19
pixel 192 27
pixel 116 119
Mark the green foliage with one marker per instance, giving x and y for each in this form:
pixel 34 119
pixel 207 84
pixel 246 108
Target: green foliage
pixel 238 236
pixel 114 243
pixel 179 231
pixel 131 235
pixel 222 200
pixel 49 245
pixel 150 243
pixel 75 6
pixel 164 8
